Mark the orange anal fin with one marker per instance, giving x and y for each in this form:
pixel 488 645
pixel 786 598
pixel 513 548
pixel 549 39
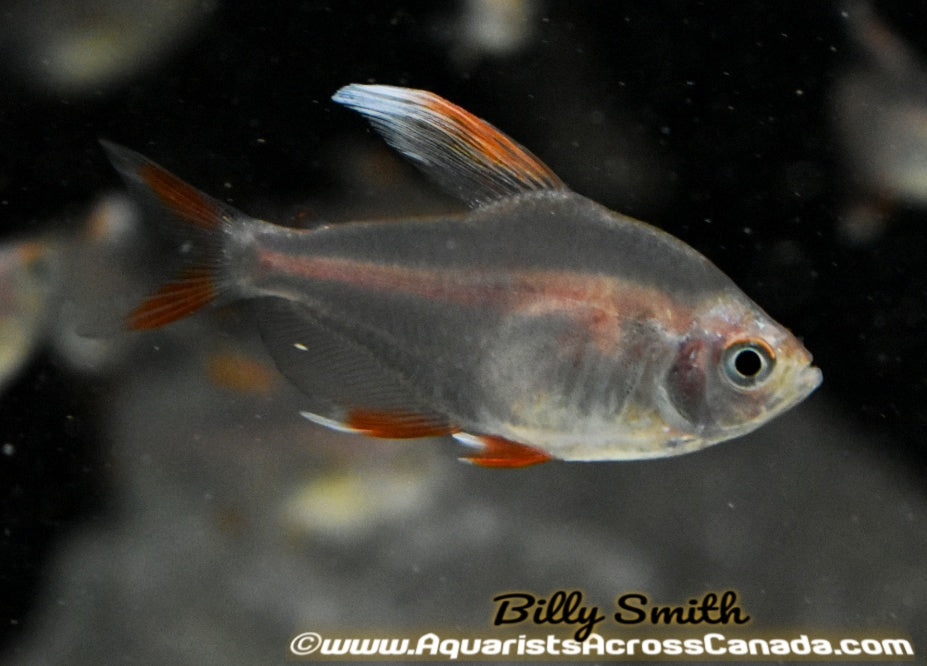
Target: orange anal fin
pixel 388 424
pixel 497 451
pixel 194 288
pixel 398 424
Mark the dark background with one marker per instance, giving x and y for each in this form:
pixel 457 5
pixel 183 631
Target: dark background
pixel 725 140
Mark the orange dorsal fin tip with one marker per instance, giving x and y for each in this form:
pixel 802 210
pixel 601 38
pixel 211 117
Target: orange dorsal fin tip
pixel 466 155
pixel 175 300
pixel 497 451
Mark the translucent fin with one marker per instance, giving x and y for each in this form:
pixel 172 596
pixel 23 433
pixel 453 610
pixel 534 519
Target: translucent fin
pixel 467 156
pixel 347 386
pixel 496 451
pixel 182 199
pixel 183 296
pixel 200 235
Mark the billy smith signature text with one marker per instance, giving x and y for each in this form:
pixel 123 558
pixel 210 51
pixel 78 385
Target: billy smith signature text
pixel 568 607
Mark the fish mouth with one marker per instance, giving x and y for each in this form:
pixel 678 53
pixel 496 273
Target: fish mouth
pixel 805 376
pixel 806 380
pixel 810 378
pixel 801 382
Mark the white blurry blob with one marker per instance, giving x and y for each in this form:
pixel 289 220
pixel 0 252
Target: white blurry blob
pixel 484 29
pixel 349 503
pixel 81 46
pixel 103 270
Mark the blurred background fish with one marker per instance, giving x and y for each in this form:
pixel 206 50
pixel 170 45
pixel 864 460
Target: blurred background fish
pixel 30 278
pixel 67 290
pixel 86 46
pixel 490 29
pixel 879 107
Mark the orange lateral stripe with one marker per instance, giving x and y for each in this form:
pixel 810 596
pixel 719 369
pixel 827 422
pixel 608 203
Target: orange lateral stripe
pixel 185 200
pixel 501 452
pixel 398 425
pixel 175 300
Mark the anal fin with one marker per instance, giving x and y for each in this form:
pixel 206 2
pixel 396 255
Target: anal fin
pixel 397 424
pixel 344 373
pixel 495 451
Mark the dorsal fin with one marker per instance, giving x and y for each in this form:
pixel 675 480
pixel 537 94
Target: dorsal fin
pixel 467 156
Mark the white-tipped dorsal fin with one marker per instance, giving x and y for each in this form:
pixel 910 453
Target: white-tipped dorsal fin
pixel 467 156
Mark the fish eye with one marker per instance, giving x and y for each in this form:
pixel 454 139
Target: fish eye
pixel 748 363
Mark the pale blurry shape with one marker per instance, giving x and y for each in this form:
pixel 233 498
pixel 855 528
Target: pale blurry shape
pixel 103 269
pixel 485 29
pixel 29 274
pixel 236 370
pixel 348 503
pixel 497 27
pixel 880 112
pixel 113 220
pixel 80 46
pixel 70 292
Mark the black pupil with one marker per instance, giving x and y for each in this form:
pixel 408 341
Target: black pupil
pixel 748 363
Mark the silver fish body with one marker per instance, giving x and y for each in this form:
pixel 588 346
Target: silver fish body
pixel 539 325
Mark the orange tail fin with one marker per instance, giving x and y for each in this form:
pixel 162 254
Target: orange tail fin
pixel 202 220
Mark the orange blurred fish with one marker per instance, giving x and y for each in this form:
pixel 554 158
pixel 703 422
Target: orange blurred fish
pixel 30 273
pixel 539 325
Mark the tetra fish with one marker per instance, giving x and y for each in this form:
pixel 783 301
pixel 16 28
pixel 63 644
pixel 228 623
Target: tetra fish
pixel 538 325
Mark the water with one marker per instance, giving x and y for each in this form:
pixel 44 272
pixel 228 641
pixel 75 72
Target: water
pixel 149 514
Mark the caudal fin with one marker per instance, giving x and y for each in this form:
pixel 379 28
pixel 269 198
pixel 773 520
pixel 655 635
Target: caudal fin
pixel 200 227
